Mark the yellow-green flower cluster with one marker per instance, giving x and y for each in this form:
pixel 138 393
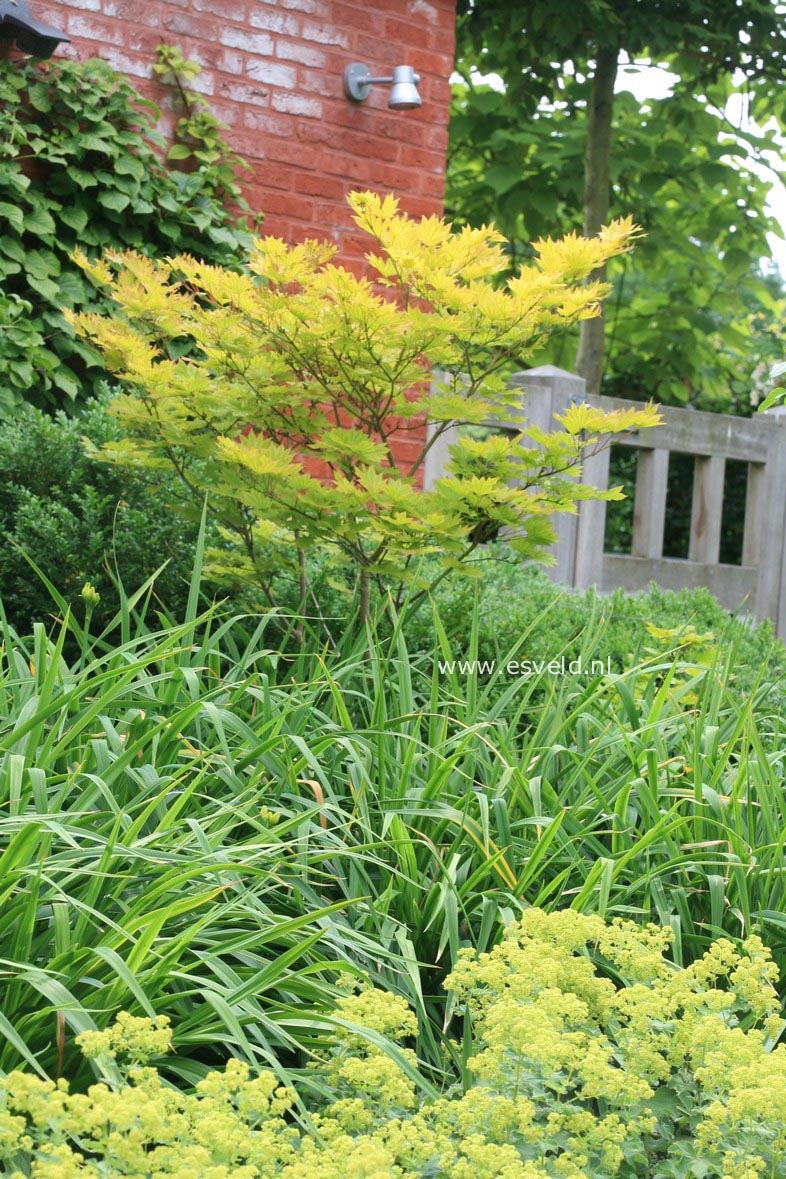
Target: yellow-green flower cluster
pixel 136 1036
pixel 663 1073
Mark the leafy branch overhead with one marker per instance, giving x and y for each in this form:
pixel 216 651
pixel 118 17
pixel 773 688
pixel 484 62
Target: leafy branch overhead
pixel 545 136
pixel 304 382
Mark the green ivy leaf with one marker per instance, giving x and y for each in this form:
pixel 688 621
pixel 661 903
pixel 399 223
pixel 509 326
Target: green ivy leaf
pixel 12 248
pixel 103 182
pixel 179 151
pixel 13 214
pixel 45 287
pixel 65 381
pixel 42 264
pixel 128 165
pixel 114 200
pixel 82 177
pixel 39 222
pixel 96 143
pixel 75 217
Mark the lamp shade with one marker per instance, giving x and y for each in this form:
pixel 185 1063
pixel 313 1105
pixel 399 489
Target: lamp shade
pixel 404 91
pixel 30 35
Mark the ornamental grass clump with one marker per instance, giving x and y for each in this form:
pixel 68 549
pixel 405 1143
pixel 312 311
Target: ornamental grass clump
pixel 587 1054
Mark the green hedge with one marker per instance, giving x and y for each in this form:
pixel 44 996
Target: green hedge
pixel 512 597
pixel 516 600
pixel 82 521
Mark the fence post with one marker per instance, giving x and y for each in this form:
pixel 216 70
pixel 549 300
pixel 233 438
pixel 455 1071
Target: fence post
pixel 649 504
pixel 764 539
pixel 591 523
pixel 547 391
pixel 709 472
pixel 438 454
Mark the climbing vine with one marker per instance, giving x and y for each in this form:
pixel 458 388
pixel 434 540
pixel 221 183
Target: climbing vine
pixel 82 165
pixel 199 135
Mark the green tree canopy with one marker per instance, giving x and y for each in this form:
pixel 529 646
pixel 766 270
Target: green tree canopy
pixel 557 146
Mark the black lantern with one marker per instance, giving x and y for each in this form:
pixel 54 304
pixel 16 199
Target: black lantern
pixel 31 36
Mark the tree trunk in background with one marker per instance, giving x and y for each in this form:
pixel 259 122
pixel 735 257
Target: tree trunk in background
pixel 597 187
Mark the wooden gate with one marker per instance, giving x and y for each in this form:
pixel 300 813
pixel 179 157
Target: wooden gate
pixel 756 586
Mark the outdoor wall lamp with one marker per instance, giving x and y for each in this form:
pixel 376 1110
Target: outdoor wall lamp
pixel 31 36
pixel 404 91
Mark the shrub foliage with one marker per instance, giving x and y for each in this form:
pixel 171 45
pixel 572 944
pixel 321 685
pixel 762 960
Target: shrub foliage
pixel 301 362
pixel 81 164
pixel 668 1075
pixel 81 521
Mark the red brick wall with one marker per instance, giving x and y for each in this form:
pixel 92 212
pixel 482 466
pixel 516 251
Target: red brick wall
pixel 272 71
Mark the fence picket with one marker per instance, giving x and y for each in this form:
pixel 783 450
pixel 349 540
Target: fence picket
pixel 757 586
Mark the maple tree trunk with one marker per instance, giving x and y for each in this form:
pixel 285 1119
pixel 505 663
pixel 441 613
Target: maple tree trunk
pixel 597 186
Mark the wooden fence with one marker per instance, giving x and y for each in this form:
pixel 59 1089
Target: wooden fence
pixel 756 586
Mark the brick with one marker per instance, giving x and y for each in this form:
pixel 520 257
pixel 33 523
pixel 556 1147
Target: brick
pixel 423 10
pixel 304 54
pixel 404 127
pixel 298 104
pixel 432 65
pixel 294 207
pixel 318 133
pixel 186 24
pixel 272 73
pixel 268 124
pixel 355 168
pixel 320 82
pixel 316 184
pixel 324 34
pixel 132 66
pixel 227 112
pixel 224 61
pixel 312 7
pixel 416 206
pixel 255 191
pixel 375 49
pixel 257 43
pixel 288 231
pixel 431 185
pixel 407 33
pixel 167 124
pixel 275 68
pixel 243 94
pixel 280 176
pixel 436 139
pixel 236 10
pixel 419 157
pixel 398 179
pixel 262 17
pixel 360 144
pixel 95 28
pixel 357 17
pixel 289 151
pixel 130 10
pixel 203 84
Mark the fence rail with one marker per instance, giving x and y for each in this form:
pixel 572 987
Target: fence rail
pixel 757 586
